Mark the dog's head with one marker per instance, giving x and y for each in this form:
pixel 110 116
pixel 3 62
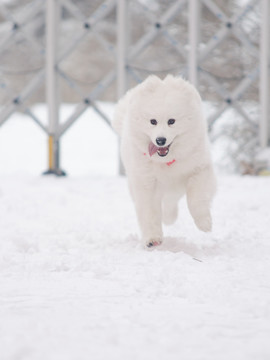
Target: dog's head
pixel 163 114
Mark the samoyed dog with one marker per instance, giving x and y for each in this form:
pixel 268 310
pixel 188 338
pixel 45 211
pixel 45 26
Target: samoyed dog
pixel 165 151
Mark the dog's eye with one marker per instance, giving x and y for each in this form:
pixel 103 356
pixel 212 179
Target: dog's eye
pixel 153 121
pixel 171 121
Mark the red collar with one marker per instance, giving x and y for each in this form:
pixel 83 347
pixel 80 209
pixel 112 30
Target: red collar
pixel 169 163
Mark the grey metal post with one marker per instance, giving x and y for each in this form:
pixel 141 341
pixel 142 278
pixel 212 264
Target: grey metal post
pixel 122 37
pixel 52 88
pixel 264 75
pixel 194 21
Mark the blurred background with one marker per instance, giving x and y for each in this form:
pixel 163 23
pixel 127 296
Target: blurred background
pixel 100 51
pixel 76 282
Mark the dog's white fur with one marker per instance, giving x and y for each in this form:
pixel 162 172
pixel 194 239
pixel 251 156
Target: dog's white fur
pixel 155 186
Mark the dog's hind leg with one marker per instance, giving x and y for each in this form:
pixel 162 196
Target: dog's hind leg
pixel 169 209
pixel 170 201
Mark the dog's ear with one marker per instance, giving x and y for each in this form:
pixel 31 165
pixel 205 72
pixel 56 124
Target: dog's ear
pixel 184 87
pixel 148 86
pixel 150 83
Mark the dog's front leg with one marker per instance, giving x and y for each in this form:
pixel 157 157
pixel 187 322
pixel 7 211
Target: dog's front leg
pixel 201 187
pixel 148 208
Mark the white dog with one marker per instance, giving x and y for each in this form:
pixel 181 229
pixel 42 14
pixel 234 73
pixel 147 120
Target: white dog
pixel 165 151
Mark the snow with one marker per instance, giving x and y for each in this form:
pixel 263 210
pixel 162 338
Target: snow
pixel 75 282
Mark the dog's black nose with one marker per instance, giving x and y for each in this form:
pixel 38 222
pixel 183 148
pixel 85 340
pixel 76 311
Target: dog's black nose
pixel 161 141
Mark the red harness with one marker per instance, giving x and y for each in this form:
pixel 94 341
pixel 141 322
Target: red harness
pixel 169 163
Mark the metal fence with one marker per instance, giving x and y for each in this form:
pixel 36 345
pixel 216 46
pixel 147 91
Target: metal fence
pixel 125 51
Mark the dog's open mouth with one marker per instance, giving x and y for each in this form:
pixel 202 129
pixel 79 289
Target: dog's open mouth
pixel 161 151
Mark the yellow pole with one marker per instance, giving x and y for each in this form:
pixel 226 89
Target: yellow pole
pixel 51 155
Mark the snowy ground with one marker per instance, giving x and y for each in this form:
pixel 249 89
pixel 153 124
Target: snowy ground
pixel 76 284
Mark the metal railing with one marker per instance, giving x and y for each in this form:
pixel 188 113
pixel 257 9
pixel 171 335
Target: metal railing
pixel 125 53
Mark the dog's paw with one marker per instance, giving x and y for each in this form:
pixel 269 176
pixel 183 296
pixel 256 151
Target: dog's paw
pixel 153 242
pixel 204 223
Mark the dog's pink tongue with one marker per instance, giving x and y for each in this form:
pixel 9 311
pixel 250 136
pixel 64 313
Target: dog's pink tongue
pixel 152 148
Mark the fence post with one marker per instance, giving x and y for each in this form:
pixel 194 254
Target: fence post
pixel 193 24
pixel 52 88
pixel 122 43
pixel 264 132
